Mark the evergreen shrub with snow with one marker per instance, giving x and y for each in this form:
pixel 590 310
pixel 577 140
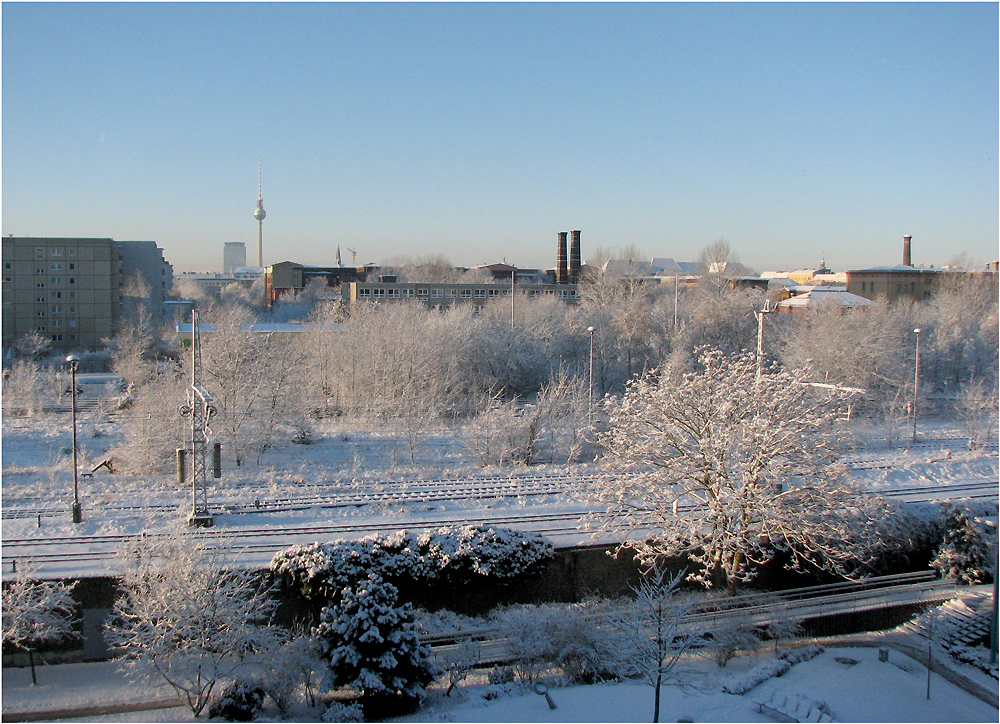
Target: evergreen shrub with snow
pixel 239 700
pixel 963 554
pixel 371 645
pixel 458 554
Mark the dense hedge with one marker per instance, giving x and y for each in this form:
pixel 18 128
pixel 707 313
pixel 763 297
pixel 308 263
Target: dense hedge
pixel 457 554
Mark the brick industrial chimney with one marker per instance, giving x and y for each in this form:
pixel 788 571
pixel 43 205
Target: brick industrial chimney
pixel 574 258
pixel 906 250
pixel 562 272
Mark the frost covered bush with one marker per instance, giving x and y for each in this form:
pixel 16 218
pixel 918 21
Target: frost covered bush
pixel 977 656
pixel 963 554
pixel 554 635
pixel 770 669
pixel 461 553
pixel 37 613
pixel 186 617
pixel 239 700
pixel 338 712
pixel 371 645
pixel 468 551
pixel 292 667
pixel 736 633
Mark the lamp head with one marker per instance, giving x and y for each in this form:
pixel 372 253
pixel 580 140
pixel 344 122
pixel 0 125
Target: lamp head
pixel 73 360
pixel 917 330
pixel 590 329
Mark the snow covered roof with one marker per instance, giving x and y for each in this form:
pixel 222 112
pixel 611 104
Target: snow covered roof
pixel 668 265
pixel 817 296
pixel 184 328
pixel 896 268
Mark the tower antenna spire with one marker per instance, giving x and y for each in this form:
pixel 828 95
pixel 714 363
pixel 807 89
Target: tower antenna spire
pixel 259 214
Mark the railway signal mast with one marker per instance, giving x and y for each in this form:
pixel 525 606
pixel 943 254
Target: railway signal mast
pixel 200 408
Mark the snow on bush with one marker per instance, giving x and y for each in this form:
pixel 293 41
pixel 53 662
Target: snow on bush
pixel 338 712
pixel 239 700
pixel 977 656
pixel 459 552
pixel 556 634
pixel 37 613
pixel 371 644
pixel 964 551
pixel 186 617
pixel 770 669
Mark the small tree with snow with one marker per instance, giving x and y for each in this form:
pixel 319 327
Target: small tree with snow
pixel 292 667
pixel 976 406
pixel 37 612
pixel 372 645
pixel 735 633
pixel 963 554
pixel 648 640
pixel 728 467
pixel 188 617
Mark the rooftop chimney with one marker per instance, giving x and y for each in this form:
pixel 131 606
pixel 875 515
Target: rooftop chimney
pixel 574 257
pixel 906 250
pixel 562 271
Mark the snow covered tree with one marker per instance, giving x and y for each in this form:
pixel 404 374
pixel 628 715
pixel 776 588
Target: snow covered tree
pixel 32 345
pixel 964 554
pixel 729 467
pixel 648 640
pixel 152 426
pixel 133 345
pixel 187 616
pixel 372 645
pixel 976 406
pixel 37 612
pixel 24 389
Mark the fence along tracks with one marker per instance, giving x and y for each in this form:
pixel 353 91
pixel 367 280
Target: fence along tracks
pixel 760 607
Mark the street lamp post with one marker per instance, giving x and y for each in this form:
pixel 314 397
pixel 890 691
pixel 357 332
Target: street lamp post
pixel 590 388
pixel 74 362
pixel 916 382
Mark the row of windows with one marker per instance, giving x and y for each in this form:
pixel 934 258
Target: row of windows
pixel 56 323
pixel 54 251
pixel 435 293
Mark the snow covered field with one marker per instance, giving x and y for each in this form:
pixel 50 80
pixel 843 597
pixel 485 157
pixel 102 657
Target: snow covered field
pixel 852 683
pixel 352 480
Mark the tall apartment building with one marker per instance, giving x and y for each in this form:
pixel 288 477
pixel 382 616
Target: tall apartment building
pixel 70 290
pixel 234 256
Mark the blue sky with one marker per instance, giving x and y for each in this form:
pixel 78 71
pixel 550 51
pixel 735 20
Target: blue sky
pixel 479 131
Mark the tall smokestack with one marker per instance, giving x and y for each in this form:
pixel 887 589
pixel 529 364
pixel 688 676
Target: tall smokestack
pixel 574 257
pixel 562 272
pixel 906 250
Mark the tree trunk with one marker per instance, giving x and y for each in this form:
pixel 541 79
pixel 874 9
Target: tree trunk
pixel 656 698
pixel 31 660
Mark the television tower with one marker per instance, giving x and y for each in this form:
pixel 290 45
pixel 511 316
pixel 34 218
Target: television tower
pixel 259 214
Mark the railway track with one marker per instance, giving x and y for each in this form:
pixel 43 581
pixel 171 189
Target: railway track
pixel 257 546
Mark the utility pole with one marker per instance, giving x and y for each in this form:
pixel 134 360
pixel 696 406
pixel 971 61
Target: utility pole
pixel 512 282
pixel 916 383
pixel 675 300
pixel 200 407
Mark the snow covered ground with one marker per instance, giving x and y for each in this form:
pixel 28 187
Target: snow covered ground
pixel 369 474
pixel 37 480
pixel 852 683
